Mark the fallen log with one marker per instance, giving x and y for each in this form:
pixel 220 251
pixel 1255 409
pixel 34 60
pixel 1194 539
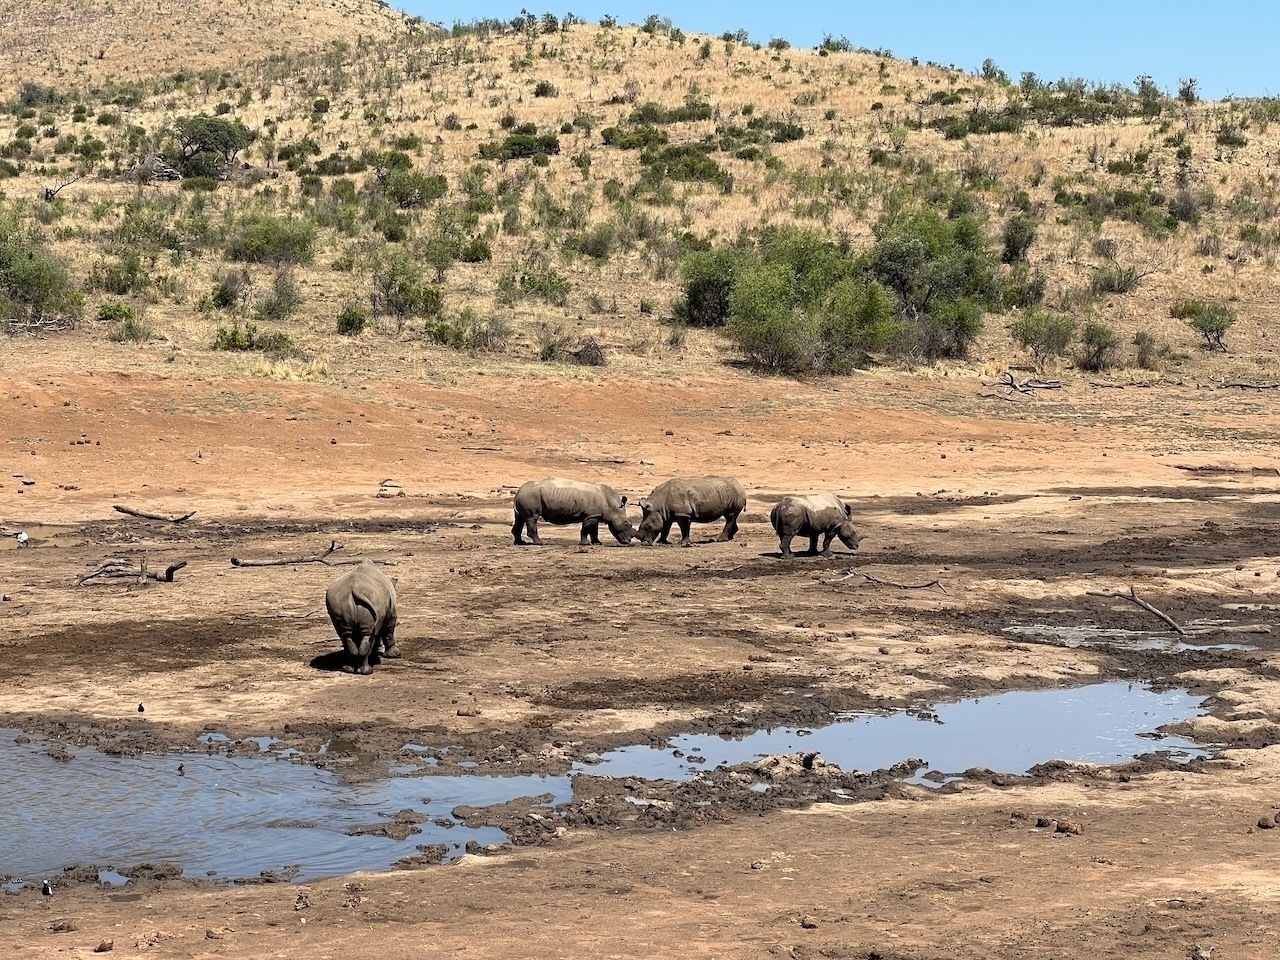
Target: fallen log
pixel 122 568
pixel 884 583
pixel 334 547
pixel 142 515
pixel 1132 597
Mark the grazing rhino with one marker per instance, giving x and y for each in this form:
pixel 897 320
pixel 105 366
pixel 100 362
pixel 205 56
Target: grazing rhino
pixel 561 501
pixel 362 606
pixel 818 514
pixel 694 500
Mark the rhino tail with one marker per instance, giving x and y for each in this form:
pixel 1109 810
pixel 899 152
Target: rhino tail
pixel 366 603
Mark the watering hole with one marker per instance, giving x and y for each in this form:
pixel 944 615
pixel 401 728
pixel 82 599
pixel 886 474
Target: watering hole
pixel 234 817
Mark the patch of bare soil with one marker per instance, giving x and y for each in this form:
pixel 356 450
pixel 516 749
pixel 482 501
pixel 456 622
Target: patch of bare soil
pixel 521 660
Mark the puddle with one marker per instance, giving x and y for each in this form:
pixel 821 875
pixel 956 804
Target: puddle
pixel 1086 635
pixel 226 817
pixel 1104 723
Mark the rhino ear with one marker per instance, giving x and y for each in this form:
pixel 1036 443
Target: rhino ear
pixel 624 500
pixel 848 511
pixel 645 506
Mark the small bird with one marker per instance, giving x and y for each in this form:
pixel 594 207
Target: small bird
pixel 182 769
pixel 46 888
pixel 22 538
pixel 141 708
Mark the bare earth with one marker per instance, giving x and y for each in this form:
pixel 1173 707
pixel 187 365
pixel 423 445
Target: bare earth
pixel 529 658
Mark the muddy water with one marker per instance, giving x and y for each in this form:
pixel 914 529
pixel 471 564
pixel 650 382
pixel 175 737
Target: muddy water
pixel 1102 723
pixel 232 817
pixel 224 817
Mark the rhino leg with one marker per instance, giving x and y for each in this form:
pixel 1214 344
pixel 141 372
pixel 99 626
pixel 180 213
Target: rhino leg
pixel 590 532
pixel 684 523
pixel 826 544
pixel 390 649
pixel 730 528
pixel 784 541
pixel 516 528
pixel 666 532
pixel 531 526
pixel 813 544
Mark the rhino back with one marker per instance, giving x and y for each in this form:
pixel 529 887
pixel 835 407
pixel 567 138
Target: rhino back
pixel 557 500
pixel 362 594
pixel 823 512
pixel 701 498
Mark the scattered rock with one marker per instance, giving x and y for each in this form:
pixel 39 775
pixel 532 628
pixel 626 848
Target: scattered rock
pixel 62 926
pixel 106 946
pixel 1073 827
pixel 809 922
pixel 1266 822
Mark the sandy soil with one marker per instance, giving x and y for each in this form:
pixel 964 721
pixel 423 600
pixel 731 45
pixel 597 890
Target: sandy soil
pixel 528 658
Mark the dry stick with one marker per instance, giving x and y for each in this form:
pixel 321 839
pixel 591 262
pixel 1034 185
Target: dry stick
pixel 153 516
pixel 601 460
pixel 885 583
pixel 1132 597
pixel 121 569
pixel 1241 385
pixel 999 396
pixel 288 562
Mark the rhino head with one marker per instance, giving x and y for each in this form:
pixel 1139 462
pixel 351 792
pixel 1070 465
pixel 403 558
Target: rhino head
pixel 847 534
pixel 650 524
pixel 620 525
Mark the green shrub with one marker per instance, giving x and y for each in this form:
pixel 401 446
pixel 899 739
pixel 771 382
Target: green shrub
pixel 687 162
pixel 1098 343
pixel 35 285
pixel 597 242
pixel 230 289
pixel 708 277
pixel 521 145
pixel 113 311
pixel 126 275
pixel 1111 277
pixel 550 343
pixel 203 146
pixel 468 332
pixel 1046 335
pixel 400 289
pixel 239 338
pixel 1210 319
pixel 1019 234
pixel 476 250
pixel 1145 342
pixel 1022 287
pixel 200 184
pixel 545 88
pixel 266 238
pixel 638 138
pixel 352 319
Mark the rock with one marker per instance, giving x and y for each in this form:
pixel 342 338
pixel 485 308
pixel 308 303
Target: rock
pixel 1073 827
pixel 1266 822
pixel 211 935
pixel 106 946
pixel 809 922
pixel 1047 822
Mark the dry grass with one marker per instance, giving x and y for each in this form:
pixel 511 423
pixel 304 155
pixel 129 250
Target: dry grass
pixel 386 81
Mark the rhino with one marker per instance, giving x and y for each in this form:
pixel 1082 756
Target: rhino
pixel 562 501
pixel 362 606
pixel 694 500
pixel 819 514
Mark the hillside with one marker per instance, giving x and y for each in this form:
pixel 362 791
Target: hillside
pixel 511 195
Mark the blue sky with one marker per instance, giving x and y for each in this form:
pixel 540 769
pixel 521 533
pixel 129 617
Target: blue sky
pixel 1230 49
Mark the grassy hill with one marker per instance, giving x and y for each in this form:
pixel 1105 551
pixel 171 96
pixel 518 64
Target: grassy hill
pixel 522 196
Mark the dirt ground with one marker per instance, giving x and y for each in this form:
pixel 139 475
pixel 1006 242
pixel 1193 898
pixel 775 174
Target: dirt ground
pixel 526 659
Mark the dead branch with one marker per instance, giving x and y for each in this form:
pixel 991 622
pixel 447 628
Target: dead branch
pixel 121 568
pixel 334 547
pixel 601 460
pixel 1228 628
pixel 489 449
pixel 1241 385
pixel 1132 597
pixel 141 515
pixel 884 583
pixel 999 396
pixel 51 193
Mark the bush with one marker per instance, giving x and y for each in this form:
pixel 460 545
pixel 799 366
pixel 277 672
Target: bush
pixel 545 88
pixel 205 146
pixel 125 276
pixel 266 238
pixel 400 289
pixel 282 299
pixel 408 189
pixel 551 344
pixel 709 277
pixel 352 319
pixel 34 283
pixel 1046 335
pixel 1113 278
pixel 1211 320
pixel 113 311
pixel 469 332
pixel 520 145
pixel 130 329
pixel 1019 234
pixel 230 289
pixel 476 250
pixel 1145 342
pixel 1098 343
pixel 240 339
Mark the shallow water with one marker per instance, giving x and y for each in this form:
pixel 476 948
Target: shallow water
pixel 225 817
pixel 234 817
pixel 1103 723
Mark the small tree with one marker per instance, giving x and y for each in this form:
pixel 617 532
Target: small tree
pixel 1211 320
pixel 1019 234
pixel 1098 344
pixel 1046 335
pixel 207 146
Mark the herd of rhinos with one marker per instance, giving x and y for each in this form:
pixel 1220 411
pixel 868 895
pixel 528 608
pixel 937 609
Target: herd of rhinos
pixel 362 603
